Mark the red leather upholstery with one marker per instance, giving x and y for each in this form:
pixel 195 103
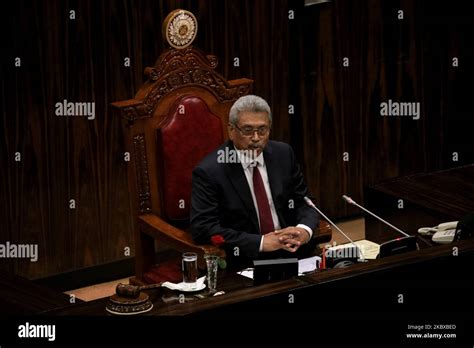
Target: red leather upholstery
pixel 166 271
pixel 192 132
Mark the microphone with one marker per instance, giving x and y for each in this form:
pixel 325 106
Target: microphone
pixel 351 201
pixel 358 250
pixel 392 247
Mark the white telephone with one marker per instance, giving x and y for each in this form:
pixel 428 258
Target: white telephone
pixel 443 233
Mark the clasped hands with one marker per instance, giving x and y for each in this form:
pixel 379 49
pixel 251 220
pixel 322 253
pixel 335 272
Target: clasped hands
pixel 289 239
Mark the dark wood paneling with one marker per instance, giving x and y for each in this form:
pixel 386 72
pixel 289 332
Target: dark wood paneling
pixel 73 158
pixel 405 60
pixel 298 61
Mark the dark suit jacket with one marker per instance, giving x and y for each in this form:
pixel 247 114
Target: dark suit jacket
pixel 222 202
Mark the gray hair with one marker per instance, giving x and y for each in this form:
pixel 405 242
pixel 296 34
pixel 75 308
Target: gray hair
pixel 249 103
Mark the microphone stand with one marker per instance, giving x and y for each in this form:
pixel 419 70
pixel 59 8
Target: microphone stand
pixel 357 248
pixel 351 201
pixel 392 247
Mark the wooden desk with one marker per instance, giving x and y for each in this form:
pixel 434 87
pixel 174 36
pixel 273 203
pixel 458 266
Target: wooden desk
pixel 21 296
pixel 237 289
pixel 339 305
pixel 428 200
pixel 430 268
pixel 431 279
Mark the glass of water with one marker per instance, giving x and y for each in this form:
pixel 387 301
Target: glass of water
pixel 189 267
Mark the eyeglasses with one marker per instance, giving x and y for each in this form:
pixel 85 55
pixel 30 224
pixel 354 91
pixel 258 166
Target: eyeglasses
pixel 249 131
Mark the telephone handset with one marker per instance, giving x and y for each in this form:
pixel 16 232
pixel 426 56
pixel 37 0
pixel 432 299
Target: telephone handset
pixel 443 233
pixel 447 226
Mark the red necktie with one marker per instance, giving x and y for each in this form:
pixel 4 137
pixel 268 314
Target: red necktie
pixel 266 221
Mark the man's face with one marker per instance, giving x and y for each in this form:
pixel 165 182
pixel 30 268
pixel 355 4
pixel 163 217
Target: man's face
pixel 251 132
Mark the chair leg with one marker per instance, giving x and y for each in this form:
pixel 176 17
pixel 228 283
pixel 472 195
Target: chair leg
pixel 144 254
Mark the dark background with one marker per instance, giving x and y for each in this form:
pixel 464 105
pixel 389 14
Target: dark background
pixel 293 62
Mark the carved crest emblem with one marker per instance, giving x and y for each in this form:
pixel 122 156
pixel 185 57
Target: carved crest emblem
pixel 180 28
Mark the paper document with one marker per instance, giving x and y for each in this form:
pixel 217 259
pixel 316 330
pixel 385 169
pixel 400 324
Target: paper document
pixel 248 272
pixel 369 249
pixel 308 265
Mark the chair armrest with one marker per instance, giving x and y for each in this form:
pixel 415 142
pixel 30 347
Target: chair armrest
pixel 174 237
pixel 182 241
pixel 323 233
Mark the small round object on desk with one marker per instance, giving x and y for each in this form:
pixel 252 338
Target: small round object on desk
pixel 127 306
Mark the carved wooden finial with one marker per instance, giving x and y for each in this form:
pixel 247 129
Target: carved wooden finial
pixel 179 67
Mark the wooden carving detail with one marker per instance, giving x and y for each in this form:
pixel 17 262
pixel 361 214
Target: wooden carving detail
pixel 178 68
pixel 130 113
pixel 173 60
pixel 202 77
pixel 141 165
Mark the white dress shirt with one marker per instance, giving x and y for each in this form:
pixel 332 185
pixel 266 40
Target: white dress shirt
pixel 248 164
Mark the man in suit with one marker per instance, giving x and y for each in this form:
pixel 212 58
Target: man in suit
pixel 251 191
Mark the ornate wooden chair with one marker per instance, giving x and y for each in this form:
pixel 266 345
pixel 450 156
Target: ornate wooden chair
pixel 178 116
